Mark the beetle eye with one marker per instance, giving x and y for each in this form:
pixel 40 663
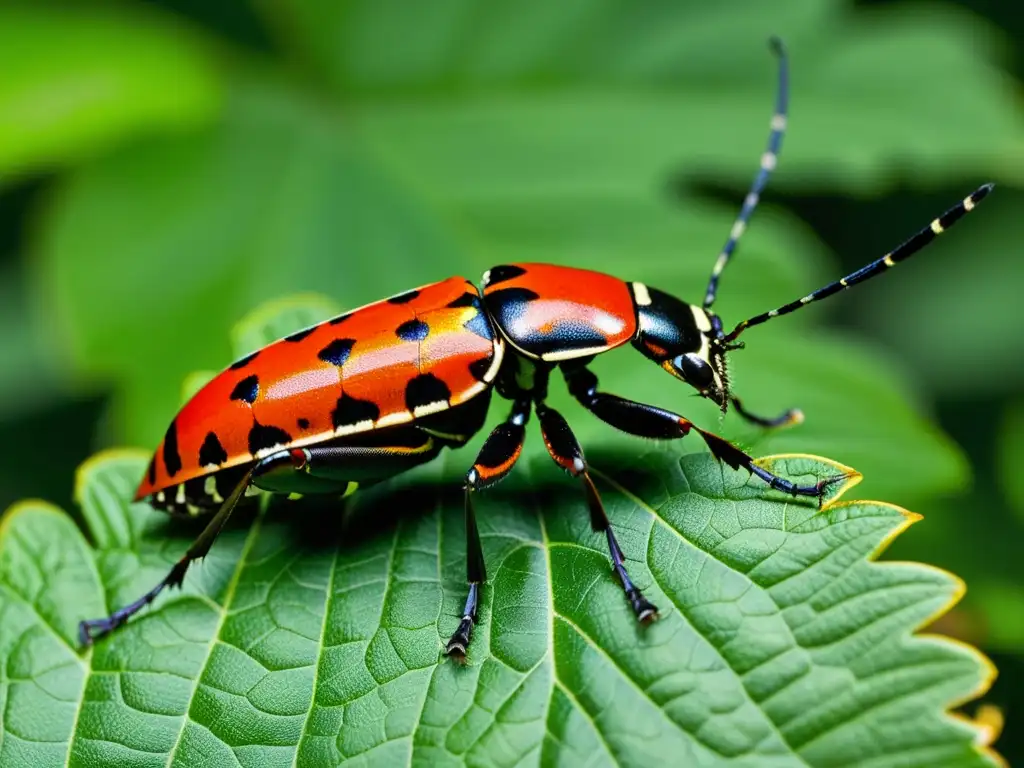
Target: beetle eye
pixel 695 370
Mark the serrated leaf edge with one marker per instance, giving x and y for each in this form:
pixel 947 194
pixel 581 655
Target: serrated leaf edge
pixel 984 736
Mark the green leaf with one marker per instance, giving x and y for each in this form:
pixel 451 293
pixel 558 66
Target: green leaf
pixel 306 638
pixel 76 83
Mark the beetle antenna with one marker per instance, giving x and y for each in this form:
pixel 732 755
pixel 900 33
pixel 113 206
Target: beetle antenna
pixel 768 161
pixel 891 259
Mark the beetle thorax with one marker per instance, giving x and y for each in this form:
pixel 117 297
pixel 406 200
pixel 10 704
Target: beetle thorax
pixel 554 314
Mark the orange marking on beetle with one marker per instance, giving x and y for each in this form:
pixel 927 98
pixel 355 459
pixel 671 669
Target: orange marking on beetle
pixel 489 473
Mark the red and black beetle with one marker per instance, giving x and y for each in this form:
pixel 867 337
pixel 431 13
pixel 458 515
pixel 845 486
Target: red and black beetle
pixel 374 392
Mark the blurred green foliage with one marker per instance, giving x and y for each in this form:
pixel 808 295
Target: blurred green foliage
pixel 167 166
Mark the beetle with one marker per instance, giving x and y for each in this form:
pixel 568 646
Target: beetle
pixel 376 391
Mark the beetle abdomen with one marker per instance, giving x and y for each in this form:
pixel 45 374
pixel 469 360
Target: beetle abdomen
pixel 388 363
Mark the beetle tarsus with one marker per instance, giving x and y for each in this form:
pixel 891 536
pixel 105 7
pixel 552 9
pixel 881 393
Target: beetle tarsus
pixel 646 611
pixel 788 418
pixel 459 641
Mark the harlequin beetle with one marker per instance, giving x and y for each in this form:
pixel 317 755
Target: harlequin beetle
pixel 374 392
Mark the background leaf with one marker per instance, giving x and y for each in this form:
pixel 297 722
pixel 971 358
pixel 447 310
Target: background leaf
pixel 1011 456
pixel 78 82
pixel 959 338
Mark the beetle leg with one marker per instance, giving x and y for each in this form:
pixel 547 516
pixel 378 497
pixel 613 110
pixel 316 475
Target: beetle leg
pixel 90 630
pixel 567 453
pixel 495 460
pixel 650 421
pixel 784 419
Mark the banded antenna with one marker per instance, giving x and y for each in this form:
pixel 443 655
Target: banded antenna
pixel 768 161
pixel 891 259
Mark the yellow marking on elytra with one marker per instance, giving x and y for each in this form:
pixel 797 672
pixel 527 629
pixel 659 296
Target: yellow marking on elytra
pixel 425 410
pixel 778 122
pixel 751 200
pixel 768 161
pixel 262 453
pixel 367 424
pixel 737 230
pixel 937 227
pixel 773 313
pixel 806 299
pixel 888 261
pixel 468 394
pixel 842 282
pixel 391 419
pixel 969 204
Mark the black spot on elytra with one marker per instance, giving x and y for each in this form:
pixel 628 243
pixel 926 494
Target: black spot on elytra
pixel 247 390
pixel 403 298
pixel 300 335
pixel 468 299
pixel 263 436
pixel 479 368
pixel 172 459
pixel 212 452
pixel 339 319
pixel 412 330
pixel 502 273
pixel 425 389
pixel 480 325
pixel 151 471
pixel 303 423
pixel 238 364
pixel 512 296
pixel 337 351
pixel 352 411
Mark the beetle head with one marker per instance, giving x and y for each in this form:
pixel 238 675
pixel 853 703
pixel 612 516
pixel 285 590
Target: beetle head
pixel 684 339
